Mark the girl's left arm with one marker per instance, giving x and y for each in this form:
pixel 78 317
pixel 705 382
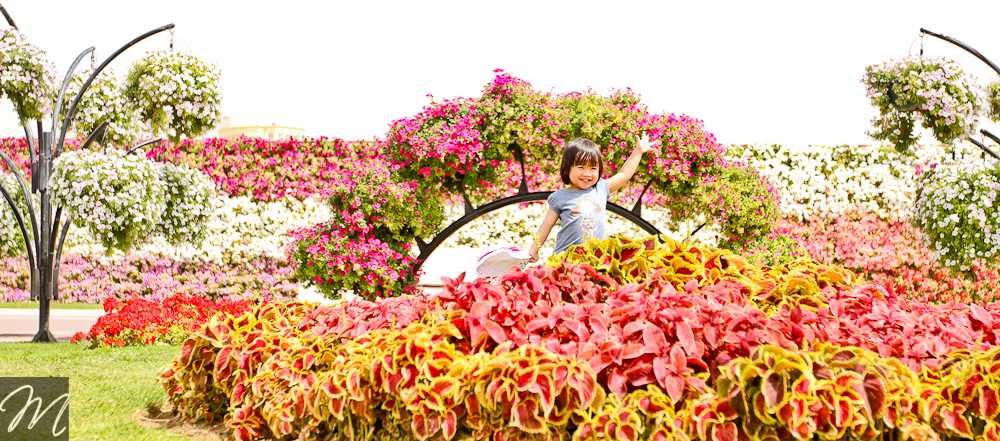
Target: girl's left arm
pixel 632 163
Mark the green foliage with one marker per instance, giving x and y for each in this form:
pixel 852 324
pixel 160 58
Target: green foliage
pixel 775 249
pixel 369 195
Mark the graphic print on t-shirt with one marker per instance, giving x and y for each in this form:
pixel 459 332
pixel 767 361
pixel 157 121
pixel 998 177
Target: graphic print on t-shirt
pixel 587 207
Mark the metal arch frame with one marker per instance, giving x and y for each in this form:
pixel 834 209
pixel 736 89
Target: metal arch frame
pixel 427 248
pixel 523 195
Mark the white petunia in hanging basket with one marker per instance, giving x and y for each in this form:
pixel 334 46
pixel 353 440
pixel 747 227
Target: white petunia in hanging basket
pixel 11 240
pixel 119 198
pixel 176 94
pixel 934 92
pixel 958 212
pixel 104 101
pixel 26 76
pixel 189 203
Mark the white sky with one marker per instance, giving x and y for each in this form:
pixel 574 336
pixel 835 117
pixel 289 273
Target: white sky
pixel 781 72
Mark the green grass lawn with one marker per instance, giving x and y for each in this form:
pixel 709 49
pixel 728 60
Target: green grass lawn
pixel 106 385
pixel 54 305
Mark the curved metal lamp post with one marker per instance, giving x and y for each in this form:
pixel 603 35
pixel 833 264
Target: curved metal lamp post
pixel 472 212
pixel 43 244
pixel 996 69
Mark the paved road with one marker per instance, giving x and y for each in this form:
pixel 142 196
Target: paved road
pixel 21 325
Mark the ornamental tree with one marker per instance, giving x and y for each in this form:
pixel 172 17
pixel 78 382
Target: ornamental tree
pixel 100 190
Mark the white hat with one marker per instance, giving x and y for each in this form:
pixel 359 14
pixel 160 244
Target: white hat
pixel 497 261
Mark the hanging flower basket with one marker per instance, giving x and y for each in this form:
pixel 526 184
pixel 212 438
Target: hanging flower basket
pixel 26 76
pixel 104 101
pixel 993 101
pixel 958 212
pixel 118 198
pixel 11 240
pixel 176 94
pixel 188 203
pixel 933 92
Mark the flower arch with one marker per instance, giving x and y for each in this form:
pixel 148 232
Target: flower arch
pixel 464 150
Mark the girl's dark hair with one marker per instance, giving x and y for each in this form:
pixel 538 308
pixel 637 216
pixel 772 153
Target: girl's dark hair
pixel 581 151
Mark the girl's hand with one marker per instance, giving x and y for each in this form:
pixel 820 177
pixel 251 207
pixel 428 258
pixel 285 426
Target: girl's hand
pixel 534 254
pixel 645 146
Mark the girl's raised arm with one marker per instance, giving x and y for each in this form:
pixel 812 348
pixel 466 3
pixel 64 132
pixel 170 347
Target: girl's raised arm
pixel 632 163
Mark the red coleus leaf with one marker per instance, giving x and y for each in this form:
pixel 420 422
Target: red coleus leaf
pixel 989 404
pixel 496 331
pixel 186 350
pixel 724 432
pixel 773 389
pixel 955 420
pixel 981 314
pixel 578 329
pixel 654 340
pixel 686 336
pixel 527 418
pixel 222 369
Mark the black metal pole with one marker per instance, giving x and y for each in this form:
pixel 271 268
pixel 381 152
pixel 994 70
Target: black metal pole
pixel 968 48
pixel 983 146
pixel 10 21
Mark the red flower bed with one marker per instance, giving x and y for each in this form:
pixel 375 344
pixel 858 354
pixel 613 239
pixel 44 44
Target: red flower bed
pixel 144 322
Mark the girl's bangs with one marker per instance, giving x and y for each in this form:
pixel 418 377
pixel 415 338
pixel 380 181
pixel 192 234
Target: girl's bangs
pixel 587 158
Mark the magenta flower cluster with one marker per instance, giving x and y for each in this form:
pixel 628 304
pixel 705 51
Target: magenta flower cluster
pixel 265 170
pixel 339 257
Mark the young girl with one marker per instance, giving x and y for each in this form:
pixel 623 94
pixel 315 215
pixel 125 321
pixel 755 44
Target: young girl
pixel 581 205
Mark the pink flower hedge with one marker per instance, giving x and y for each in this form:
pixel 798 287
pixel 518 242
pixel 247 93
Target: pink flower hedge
pixel 892 253
pixel 91 280
pixel 266 170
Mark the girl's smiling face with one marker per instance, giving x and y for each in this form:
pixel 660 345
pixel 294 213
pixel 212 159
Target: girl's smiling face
pixel 583 176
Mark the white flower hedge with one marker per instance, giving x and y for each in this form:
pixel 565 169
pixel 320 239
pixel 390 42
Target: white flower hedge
pixel 832 180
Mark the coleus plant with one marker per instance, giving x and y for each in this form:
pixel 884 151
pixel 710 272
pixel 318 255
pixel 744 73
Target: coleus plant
pixel 644 337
